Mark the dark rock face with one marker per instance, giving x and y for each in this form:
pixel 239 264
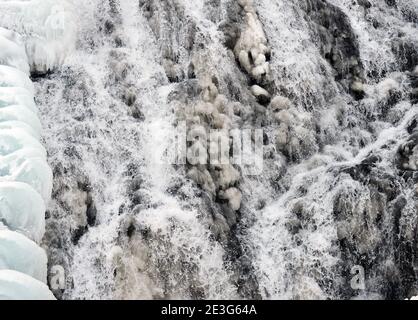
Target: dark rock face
pixel 364 3
pixel 406 53
pixel 408 153
pixel 380 244
pixel 338 43
pixel 391 3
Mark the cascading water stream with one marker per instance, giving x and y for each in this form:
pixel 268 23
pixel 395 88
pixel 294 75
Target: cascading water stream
pixel 322 203
pixel 331 84
pixel 330 218
pixel 109 147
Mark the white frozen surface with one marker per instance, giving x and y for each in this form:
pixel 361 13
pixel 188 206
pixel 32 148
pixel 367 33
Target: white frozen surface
pixel 29 169
pixel 13 54
pixel 13 140
pixel 24 153
pixel 11 77
pixel 11 35
pixel 20 113
pixel 19 286
pixel 21 254
pixel 22 209
pixel 19 125
pixel 47 27
pixel 17 96
pixel 25 177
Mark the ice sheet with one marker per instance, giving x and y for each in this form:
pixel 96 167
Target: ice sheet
pixel 16 95
pixel 21 254
pixel 12 77
pixel 47 27
pixel 22 209
pixel 15 285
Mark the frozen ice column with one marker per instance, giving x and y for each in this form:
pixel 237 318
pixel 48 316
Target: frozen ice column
pixel 25 178
pixel 47 30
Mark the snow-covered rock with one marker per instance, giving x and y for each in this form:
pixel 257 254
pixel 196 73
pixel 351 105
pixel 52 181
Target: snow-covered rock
pixel 251 48
pixel 209 121
pixel 261 94
pixel 234 197
pixel 279 103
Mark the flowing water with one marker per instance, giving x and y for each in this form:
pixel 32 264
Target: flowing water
pixel 340 191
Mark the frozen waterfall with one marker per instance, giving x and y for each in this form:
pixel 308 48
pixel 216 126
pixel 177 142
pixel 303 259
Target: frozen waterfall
pixel 27 46
pixel 328 88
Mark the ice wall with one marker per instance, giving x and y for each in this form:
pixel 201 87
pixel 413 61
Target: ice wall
pixel 19 286
pixel 47 30
pixel 25 177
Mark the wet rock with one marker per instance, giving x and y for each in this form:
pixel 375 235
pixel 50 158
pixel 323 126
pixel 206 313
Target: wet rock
pixel 167 19
pixel 220 228
pixel 230 215
pixel 412 126
pixel 120 70
pixel 357 89
pixel 364 168
pixel 135 184
pixel 364 3
pixel 77 234
pixel 339 43
pixel 262 95
pixel 231 33
pixel 118 41
pixel 203 178
pixel 414 96
pixel 173 71
pixel 140 198
pixel 91 211
pixel 136 113
pixel 406 51
pixel 294 226
pixel 408 153
pixel 130 231
pixel 391 3
pixel 129 96
pixel 294 136
pixel 109 27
